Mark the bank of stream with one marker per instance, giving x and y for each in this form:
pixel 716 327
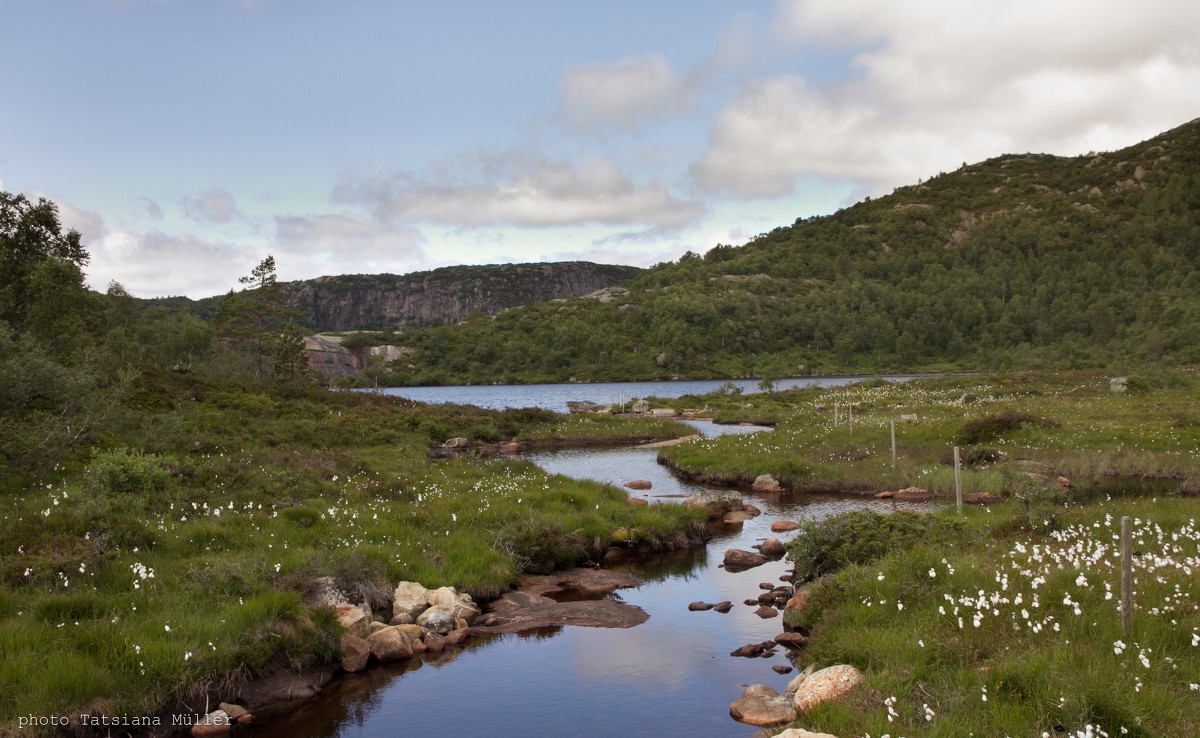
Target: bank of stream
pixel 672 675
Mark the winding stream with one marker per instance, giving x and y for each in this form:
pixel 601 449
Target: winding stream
pixel 672 675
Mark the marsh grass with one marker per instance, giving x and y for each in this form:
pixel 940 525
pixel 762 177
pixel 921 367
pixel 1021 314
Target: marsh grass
pixel 1039 635
pixel 129 579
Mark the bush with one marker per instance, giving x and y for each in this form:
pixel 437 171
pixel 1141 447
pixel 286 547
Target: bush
pixel 858 537
pixel 992 427
pixel 124 472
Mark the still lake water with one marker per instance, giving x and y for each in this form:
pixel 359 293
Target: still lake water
pixel 555 396
pixel 671 675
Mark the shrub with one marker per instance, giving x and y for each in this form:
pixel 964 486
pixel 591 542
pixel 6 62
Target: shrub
pixel 124 472
pixel 992 427
pixel 858 537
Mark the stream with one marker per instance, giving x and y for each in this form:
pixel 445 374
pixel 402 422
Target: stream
pixel 672 675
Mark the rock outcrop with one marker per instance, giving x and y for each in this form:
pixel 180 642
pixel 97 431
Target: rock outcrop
pixel 827 685
pixel 760 705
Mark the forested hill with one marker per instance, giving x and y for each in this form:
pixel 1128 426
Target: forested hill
pixel 1018 261
pixel 446 295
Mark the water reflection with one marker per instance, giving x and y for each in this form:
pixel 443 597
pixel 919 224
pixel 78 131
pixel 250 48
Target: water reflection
pixel 671 675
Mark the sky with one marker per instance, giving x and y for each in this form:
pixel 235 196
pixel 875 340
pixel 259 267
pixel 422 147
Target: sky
pixel 186 140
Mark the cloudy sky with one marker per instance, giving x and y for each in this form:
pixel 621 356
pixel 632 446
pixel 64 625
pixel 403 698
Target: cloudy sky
pixel 188 139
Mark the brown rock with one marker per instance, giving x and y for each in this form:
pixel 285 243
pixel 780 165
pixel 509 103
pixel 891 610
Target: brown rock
pixel 802 733
pixel 746 507
pixel 723 607
pixel 737 516
pixel 760 705
pixel 457 636
pixel 828 685
pixel 390 645
pixel 637 501
pixel 376 626
pixel 752 650
pixel 794 641
pixel 783 526
pixel 751 602
pixel 885 495
pixel 639 484
pixel 766 585
pixel 434 642
pixel 354 620
pixel 772 548
pixel 402 619
pixel 766 483
pixel 914 494
pixel 736 558
pixel 510 448
pixel 781 669
pixel 700 606
pixel 355 653
pixel 215 722
pixel 235 712
pixel 1065 482
pixel 795 606
pixel 765 612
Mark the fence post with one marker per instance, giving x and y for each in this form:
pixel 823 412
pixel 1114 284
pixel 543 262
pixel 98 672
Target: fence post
pixel 851 418
pixel 836 419
pixel 1126 577
pixel 893 444
pixel 958 479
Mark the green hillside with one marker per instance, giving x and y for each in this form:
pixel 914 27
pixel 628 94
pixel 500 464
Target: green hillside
pixel 1018 261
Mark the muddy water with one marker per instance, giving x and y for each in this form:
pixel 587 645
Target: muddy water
pixel 672 675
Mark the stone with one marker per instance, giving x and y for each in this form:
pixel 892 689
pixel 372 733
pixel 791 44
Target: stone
pixel 735 558
pixel 723 607
pixel 831 684
pixel 457 636
pixel 1064 481
pixel 510 448
pixel 376 626
pixel 402 619
pixel 354 620
pixel 235 712
pixel 577 407
pixel 637 502
pixel 760 705
pixel 460 604
pixel 456 443
pixel 700 606
pixel 414 633
pixel 434 642
pixel 766 483
pixel 913 494
pixel 715 502
pixel 640 406
pixel 737 516
pixel 772 548
pixel 639 484
pixel 765 612
pixel 781 669
pixel 355 653
pixel 748 508
pixel 1118 384
pixel 794 685
pixel 389 645
pixel 795 606
pixel 215 722
pixel 437 619
pixel 766 585
pixel 664 412
pixel 410 598
pixel 784 526
pixel 752 650
pixel 885 495
pixel 802 733
pixel 794 641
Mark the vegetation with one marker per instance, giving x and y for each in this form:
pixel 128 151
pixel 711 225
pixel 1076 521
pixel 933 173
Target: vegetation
pixel 1022 261
pixel 166 519
pixel 986 628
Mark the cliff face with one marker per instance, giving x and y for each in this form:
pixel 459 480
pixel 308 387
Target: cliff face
pixel 445 295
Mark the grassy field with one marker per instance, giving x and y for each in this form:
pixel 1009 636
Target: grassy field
pixel 180 551
pixel 994 627
pixel 1073 426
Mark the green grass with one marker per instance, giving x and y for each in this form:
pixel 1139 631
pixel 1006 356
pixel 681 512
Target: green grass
pixel 138 574
pixel 1039 630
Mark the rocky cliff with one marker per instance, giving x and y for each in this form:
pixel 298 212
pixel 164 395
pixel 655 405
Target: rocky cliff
pixel 446 295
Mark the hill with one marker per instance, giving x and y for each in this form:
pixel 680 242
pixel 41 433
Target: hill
pixel 446 295
pixel 1019 261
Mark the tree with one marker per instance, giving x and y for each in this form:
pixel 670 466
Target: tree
pixel 291 361
pixel 41 277
pixel 248 314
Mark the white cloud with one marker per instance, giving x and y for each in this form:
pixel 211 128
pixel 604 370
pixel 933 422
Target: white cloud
pixel 633 88
pixel 944 82
pixel 344 241
pixel 519 189
pixel 214 205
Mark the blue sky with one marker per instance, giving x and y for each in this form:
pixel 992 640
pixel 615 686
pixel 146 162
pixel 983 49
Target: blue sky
pixel 188 139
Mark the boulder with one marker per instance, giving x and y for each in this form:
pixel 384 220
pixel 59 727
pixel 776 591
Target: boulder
pixel 802 733
pixel 828 685
pixel 402 619
pixel 237 713
pixel 376 626
pixel 414 633
pixel 735 558
pixel 664 412
pixel 752 650
pixel 460 604
pixel 760 705
pixel 795 606
pixel 783 526
pixel 913 494
pixel 409 598
pixel 437 619
pixel 723 607
pixel 456 443
pixel 765 612
pixel 715 502
pixel 639 484
pixel 700 606
pixel 772 548
pixel 434 642
pixel 356 621
pixel 640 406
pixel 747 507
pixel 794 641
pixel 885 495
pixel 584 406
pixel 510 448
pixel 389 645
pixel 1064 481
pixel 766 483
pixel 355 653
pixel 1118 384
pixel 794 685
pixel 737 516
pixel 217 721
pixel 781 669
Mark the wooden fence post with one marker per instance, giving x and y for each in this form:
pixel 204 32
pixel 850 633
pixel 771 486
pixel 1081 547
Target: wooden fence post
pixel 893 444
pixel 958 479
pixel 1126 577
